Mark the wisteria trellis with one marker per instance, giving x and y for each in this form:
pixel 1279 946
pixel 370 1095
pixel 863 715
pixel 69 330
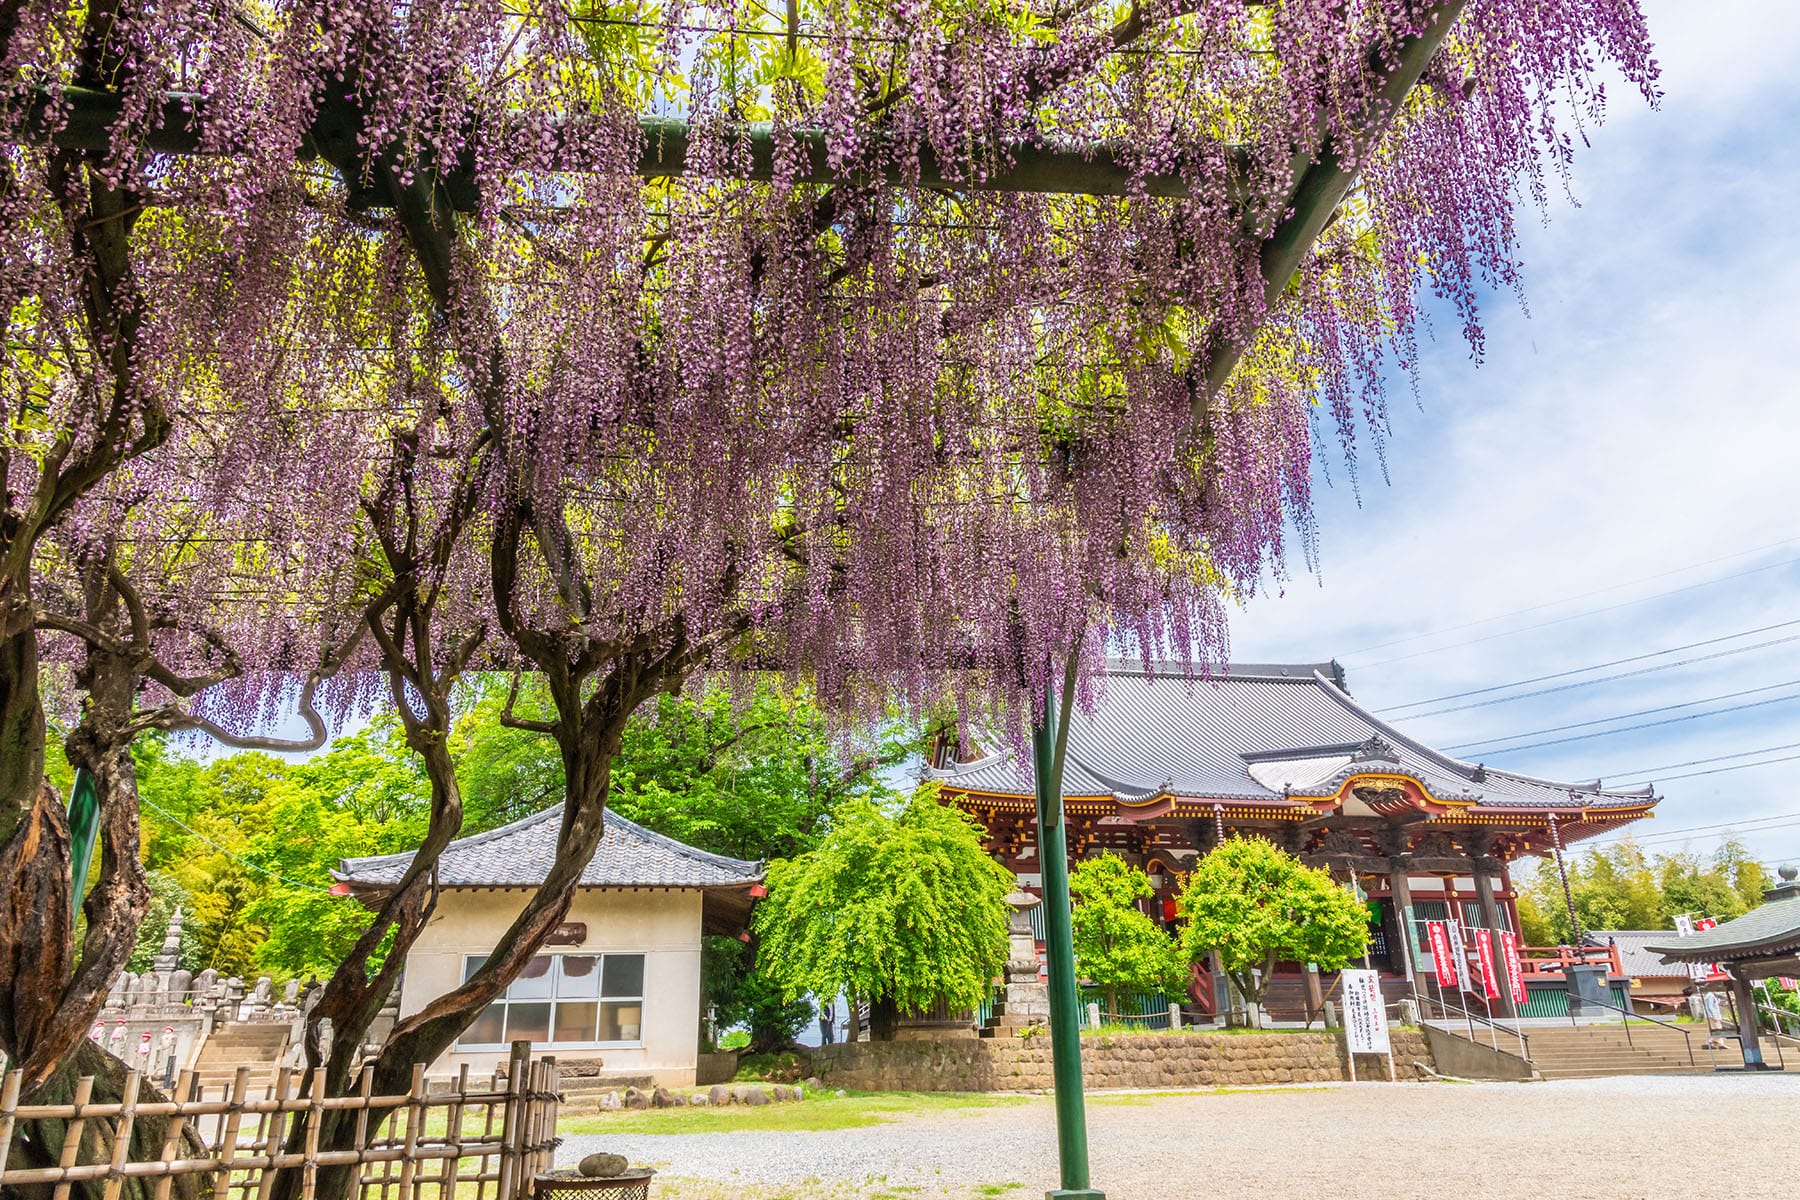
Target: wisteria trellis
pixel 833 398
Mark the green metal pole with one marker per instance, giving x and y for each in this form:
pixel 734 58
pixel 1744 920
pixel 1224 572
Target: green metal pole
pixel 1048 742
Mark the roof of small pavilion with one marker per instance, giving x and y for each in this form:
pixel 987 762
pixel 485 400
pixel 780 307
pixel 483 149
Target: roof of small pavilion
pixel 628 857
pixel 1635 956
pixel 1764 941
pixel 1276 738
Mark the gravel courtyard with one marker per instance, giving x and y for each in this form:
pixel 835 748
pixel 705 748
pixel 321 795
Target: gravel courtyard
pixel 1644 1138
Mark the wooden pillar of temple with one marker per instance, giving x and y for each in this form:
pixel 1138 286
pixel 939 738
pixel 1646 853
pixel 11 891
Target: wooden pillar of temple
pixel 1400 893
pixel 1744 1000
pixel 1485 869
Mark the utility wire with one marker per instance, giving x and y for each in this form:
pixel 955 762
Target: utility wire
pixel 1592 612
pixel 1642 712
pixel 1722 770
pixel 1583 737
pixel 1750 826
pixel 231 854
pixel 1698 762
pixel 1608 679
pixel 1613 587
pixel 1616 662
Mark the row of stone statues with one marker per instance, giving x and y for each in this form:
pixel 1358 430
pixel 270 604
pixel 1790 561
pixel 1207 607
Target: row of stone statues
pixel 166 986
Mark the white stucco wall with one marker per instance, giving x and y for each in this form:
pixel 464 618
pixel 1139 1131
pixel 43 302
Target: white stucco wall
pixel 663 926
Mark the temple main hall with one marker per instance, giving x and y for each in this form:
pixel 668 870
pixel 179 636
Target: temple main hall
pixel 1166 766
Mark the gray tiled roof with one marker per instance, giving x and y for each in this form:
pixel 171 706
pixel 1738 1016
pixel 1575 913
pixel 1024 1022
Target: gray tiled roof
pixel 1254 732
pixel 1772 929
pixel 520 854
pixel 1635 956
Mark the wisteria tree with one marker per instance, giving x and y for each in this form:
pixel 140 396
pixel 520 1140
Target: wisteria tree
pixel 905 346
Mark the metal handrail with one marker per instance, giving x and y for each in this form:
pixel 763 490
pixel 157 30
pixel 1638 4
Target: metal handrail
pixel 1495 1028
pixel 1628 1015
pixel 1779 1034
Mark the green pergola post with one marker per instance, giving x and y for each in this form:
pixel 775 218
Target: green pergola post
pixel 1049 740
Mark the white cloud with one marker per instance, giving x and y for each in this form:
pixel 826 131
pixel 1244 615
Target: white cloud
pixel 1641 418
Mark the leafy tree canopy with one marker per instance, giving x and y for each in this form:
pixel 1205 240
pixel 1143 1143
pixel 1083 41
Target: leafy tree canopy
pixel 1257 905
pixel 1117 947
pixel 1622 887
pixel 902 906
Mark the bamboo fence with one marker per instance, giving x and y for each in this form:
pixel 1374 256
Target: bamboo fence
pixel 483 1139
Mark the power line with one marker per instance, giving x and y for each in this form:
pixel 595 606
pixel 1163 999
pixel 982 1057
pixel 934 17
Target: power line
pixel 1569 687
pixel 1583 737
pixel 1722 770
pixel 1592 612
pixel 231 854
pixel 1642 712
pixel 1519 612
pixel 1747 826
pixel 1500 687
pixel 1696 762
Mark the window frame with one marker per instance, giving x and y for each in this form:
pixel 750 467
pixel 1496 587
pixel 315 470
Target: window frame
pixel 552 1000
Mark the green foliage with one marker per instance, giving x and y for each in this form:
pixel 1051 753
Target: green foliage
pixel 741 994
pixel 165 895
pixel 1117 947
pixel 1621 887
pixel 904 907
pixel 1257 905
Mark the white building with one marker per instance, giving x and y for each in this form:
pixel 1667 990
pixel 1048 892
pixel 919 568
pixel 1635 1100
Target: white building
pixel 618 981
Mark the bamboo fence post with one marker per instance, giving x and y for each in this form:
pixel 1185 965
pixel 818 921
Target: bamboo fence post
pixel 315 1112
pixel 115 1179
pixel 487 1140
pixel 277 1123
pixel 453 1134
pixel 228 1136
pixel 71 1147
pixel 364 1089
pixel 415 1111
pixel 512 1120
pixel 184 1087
pixel 9 1103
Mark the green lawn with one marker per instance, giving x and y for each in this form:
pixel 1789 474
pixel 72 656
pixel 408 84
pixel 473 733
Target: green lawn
pixel 819 1111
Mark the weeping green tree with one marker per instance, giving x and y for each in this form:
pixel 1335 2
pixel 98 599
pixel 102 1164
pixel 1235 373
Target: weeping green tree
pixel 1257 905
pixel 902 908
pixel 1118 948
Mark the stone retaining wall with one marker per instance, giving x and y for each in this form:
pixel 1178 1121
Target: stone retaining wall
pixel 1168 1060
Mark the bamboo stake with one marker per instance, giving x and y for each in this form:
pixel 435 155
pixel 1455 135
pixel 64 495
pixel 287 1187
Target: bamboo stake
pixel 227 1147
pixel 364 1089
pixel 309 1174
pixel 9 1102
pixel 487 1138
pixel 453 1134
pixel 115 1179
pixel 184 1086
pixel 71 1147
pixel 414 1114
pixel 277 1123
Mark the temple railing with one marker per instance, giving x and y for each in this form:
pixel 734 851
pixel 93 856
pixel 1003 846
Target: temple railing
pixel 1541 961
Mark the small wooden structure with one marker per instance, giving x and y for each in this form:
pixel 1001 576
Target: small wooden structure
pixel 483 1139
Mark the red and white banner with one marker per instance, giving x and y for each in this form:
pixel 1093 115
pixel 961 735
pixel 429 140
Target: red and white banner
pixel 1484 953
pixel 1515 972
pixel 1442 963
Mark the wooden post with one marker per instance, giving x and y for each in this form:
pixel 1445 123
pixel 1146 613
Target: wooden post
pixel 9 1103
pixel 512 1120
pixel 271 1145
pixel 364 1089
pixel 228 1140
pixel 71 1147
pixel 415 1112
pixel 115 1179
pixel 309 1170
pixel 184 1088
pixel 453 1140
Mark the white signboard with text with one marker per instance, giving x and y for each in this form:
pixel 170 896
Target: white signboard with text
pixel 1365 1013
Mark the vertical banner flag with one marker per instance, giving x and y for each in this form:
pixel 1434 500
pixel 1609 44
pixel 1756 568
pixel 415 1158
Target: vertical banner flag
pixel 1515 970
pixel 1484 954
pixel 84 827
pixel 1365 1013
pixel 1441 962
pixel 1458 954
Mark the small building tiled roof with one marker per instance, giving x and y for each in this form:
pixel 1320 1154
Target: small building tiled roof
pixel 1768 932
pixel 520 854
pixel 1636 958
pixel 1258 733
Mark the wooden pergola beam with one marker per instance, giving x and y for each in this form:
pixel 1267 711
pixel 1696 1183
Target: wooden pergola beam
pixel 1044 166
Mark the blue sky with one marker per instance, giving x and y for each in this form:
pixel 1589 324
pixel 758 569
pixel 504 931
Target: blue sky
pixel 1635 433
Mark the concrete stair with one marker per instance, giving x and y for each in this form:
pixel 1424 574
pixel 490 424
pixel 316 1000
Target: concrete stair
pixel 256 1045
pixel 1594 1051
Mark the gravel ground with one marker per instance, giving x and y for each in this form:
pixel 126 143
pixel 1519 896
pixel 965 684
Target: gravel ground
pixel 1709 1137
